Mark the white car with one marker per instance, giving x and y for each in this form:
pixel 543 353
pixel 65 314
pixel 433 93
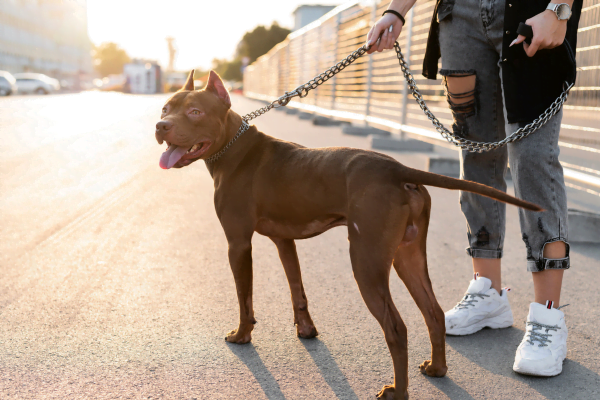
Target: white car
pixel 36 83
pixel 8 83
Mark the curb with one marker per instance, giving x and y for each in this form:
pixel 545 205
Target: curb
pixel 304 115
pixel 443 166
pixel 325 121
pixel 363 131
pixel 584 227
pixel 394 144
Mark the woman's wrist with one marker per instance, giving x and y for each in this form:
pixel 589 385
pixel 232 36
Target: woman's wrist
pixel 402 6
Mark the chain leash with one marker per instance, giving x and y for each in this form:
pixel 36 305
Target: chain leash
pixel 301 91
pixel 465 144
pixel 471 145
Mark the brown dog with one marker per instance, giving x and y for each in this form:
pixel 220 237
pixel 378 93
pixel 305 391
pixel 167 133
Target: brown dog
pixel 286 192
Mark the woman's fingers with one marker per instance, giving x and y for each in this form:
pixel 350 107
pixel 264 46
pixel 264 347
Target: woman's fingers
pixel 518 40
pixel 383 41
pixel 391 38
pixel 370 35
pixel 381 31
pixel 372 38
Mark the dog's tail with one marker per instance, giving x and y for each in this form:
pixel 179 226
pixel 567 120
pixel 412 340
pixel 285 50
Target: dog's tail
pixel 430 179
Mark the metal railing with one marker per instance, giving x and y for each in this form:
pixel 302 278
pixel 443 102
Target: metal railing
pixel 373 90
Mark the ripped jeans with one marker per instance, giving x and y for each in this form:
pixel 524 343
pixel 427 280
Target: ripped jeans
pixel 471 33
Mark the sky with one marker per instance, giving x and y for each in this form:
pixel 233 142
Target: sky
pixel 203 29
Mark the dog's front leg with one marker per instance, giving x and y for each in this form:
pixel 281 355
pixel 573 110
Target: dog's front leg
pixel 240 260
pixel 305 328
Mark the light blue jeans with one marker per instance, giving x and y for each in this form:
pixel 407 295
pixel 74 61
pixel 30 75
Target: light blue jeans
pixel 471 34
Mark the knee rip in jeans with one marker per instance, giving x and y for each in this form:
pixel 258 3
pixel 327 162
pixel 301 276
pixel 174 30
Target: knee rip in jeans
pixel 461 90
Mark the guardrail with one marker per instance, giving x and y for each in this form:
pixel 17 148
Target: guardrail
pixel 373 90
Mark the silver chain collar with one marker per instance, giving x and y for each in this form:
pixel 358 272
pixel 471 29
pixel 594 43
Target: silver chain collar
pixel 243 128
pixel 465 144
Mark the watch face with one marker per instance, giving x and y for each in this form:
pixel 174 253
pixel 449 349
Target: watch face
pixel 563 11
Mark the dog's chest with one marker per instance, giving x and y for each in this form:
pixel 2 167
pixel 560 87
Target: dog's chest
pixel 297 230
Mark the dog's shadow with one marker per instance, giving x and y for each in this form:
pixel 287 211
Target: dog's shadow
pixel 248 355
pixel 494 350
pixel 329 368
pixel 320 354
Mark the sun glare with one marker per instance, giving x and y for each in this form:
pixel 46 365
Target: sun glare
pixel 202 30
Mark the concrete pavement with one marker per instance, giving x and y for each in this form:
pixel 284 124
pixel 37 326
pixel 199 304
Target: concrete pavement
pixel 115 281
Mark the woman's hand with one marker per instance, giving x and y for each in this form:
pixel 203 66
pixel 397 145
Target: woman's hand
pixel 382 29
pixel 548 33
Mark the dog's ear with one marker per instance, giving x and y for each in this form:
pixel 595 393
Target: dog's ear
pixel 215 85
pixel 189 84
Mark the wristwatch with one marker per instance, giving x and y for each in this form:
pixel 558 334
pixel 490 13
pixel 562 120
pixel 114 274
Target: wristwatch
pixel 562 10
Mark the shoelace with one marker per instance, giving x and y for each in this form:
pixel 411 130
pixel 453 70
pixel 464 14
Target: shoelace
pixel 541 337
pixel 533 335
pixel 465 302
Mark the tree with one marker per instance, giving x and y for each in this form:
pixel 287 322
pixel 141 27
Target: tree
pixel 109 58
pixel 253 45
pixel 260 40
pixel 228 70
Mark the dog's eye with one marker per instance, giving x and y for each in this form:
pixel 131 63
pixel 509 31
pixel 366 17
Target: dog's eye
pixel 164 110
pixel 196 112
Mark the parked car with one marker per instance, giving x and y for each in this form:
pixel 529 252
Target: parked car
pixel 36 83
pixel 8 83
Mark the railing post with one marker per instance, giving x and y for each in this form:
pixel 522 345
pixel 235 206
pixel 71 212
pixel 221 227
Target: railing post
pixel 370 67
pixel 319 56
pixel 287 67
pixel 335 55
pixel 409 23
pixel 302 65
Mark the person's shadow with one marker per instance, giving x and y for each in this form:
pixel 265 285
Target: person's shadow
pixel 321 356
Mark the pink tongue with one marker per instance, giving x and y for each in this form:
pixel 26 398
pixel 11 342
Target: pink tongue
pixel 171 156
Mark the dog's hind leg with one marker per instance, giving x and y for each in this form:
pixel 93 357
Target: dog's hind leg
pixel 372 272
pixel 240 260
pixel 305 328
pixel 410 263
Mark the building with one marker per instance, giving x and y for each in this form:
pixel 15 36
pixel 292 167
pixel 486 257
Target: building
pixel 46 36
pixel 305 14
pixel 143 77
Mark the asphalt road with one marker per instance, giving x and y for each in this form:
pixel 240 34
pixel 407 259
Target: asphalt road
pixel 114 280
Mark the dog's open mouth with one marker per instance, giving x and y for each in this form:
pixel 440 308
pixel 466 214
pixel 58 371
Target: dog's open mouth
pixel 180 156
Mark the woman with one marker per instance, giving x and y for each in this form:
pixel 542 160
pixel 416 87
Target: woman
pixel 496 83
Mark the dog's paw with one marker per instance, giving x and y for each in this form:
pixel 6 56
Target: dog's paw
pixel 306 331
pixel 239 336
pixel 430 370
pixel 389 393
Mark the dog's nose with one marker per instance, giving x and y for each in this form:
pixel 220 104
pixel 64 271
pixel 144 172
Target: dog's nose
pixel 162 127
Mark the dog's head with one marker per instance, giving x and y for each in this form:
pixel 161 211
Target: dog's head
pixel 193 122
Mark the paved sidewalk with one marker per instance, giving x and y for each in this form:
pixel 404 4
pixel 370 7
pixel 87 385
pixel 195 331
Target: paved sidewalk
pixel 115 280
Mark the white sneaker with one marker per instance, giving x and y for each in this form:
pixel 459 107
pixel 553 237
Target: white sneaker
pixel 544 346
pixel 481 307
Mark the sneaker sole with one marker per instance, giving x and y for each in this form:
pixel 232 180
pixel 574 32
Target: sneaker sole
pixel 547 372
pixel 504 320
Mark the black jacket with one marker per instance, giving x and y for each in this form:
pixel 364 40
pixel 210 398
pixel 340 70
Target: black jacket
pixel 530 84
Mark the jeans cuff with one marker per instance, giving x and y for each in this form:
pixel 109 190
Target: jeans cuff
pixel 483 253
pixel 548 263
